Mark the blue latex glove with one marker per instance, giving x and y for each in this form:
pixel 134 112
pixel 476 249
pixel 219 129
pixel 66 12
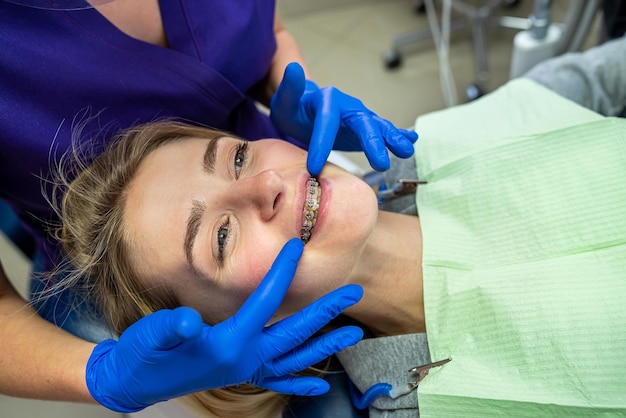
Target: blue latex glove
pixel 328 119
pixel 171 353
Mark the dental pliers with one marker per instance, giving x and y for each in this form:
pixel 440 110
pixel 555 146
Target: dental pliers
pixel 422 371
pixel 401 188
pixel 419 373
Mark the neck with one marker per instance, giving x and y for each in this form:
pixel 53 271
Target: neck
pixel 139 19
pixel 390 271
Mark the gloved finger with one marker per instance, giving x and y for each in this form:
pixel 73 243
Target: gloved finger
pixel 317 350
pixel 265 300
pixel 410 135
pixel 165 329
pixel 396 141
pixel 325 128
pixel 290 332
pixel 297 385
pixel 291 88
pixel 368 130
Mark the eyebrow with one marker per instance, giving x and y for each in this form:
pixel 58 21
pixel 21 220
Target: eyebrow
pixel 197 207
pixel 193 225
pixel 210 154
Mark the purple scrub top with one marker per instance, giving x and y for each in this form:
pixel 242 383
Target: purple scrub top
pixel 57 68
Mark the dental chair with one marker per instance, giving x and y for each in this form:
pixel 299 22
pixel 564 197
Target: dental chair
pixel 12 228
pixel 334 404
pixel 575 29
pixel 477 19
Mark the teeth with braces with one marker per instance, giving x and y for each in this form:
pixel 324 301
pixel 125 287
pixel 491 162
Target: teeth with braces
pixel 310 208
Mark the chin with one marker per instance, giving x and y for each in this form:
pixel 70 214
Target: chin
pixel 328 262
pixel 318 274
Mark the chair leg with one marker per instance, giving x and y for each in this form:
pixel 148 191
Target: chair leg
pixel 479 28
pixel 393 56
pixel 477 89
pixel 480 53
pixel 419 5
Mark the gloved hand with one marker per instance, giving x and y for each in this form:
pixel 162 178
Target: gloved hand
pixel 328 119
pixel 171 353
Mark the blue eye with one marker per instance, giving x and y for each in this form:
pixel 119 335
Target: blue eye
pixel 240 157
pixel 222 239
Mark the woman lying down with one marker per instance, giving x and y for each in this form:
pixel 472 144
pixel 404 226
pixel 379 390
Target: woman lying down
pixel 515 268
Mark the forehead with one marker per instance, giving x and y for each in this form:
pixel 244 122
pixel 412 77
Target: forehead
pixel 158 200
pixel 177 151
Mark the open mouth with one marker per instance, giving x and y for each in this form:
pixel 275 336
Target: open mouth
pixel 310 209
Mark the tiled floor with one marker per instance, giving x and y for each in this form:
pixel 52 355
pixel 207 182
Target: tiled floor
pixel 344 42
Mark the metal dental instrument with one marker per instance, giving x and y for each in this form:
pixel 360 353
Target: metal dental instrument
pixel 363 401
pixel 401 188
pixel 422 371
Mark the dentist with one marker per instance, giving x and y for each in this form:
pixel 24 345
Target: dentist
pixel 73 71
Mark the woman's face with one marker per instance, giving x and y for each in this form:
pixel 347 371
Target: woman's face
pixel 206 219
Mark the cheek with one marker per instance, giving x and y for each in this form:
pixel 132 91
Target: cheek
pixel 250 268
pixel 277 152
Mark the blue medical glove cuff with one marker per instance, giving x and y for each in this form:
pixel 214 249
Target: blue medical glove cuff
pixel 96 373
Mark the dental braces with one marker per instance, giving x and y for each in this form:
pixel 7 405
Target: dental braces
pixel 310 209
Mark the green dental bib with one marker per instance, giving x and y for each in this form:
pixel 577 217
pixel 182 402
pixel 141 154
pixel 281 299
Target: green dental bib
pixel 524 228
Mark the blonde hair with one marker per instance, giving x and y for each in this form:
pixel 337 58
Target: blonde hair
pixel 98 250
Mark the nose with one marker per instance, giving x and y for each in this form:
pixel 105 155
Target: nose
pixel 262 192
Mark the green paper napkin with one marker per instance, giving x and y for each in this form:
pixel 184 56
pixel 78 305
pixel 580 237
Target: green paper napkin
pixel 524 226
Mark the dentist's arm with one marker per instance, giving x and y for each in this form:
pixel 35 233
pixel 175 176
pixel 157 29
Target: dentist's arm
pixel 287 50
pixel 37 359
